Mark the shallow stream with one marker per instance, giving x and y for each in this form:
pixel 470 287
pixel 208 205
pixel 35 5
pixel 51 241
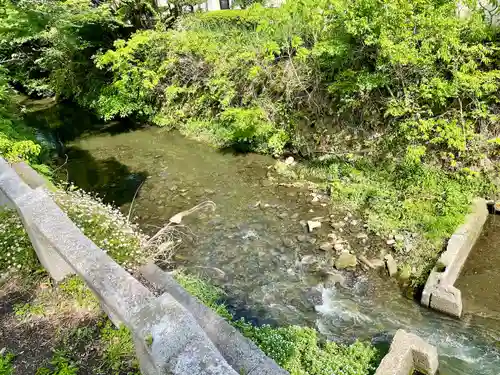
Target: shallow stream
pixel 254 245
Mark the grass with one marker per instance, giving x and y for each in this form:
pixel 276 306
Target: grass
pixel 296 349
pixel 59 365
pixel 6 367
pixel 118 353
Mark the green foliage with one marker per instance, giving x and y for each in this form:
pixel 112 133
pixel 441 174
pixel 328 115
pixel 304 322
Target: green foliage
pixel 6 367
pixel 209 295
pixel 118 350
pixel 75 289
pixel 297 350
pixel 412 70
pixel 59 365
pixel 16 141
pixel 105 225
pixel 26 311
pixel 48 46
pixel 102 223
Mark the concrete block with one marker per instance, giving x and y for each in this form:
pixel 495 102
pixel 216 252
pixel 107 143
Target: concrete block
pixel 447 299
pixel 407 353
pixel 174 343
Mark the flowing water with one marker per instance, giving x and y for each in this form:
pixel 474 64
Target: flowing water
pixel 255 246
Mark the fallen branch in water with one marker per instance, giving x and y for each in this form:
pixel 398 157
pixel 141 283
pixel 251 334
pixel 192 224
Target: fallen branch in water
pixel 162 244
pixel 133 201
pixel 177 218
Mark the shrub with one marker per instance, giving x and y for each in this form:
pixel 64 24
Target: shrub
pixel 6 367
pixel 297 350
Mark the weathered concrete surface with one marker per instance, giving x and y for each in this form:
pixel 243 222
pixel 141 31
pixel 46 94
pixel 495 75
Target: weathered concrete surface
pixel 408 353
pixel 179 345
pixel 241 353
pixel 439 292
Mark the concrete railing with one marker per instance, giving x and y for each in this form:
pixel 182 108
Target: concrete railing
pixel 167 338
pixel 439 292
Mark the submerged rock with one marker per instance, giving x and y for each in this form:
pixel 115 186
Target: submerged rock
pixel 333 278
pixel 301 238
pixel 362 236
pixel 283 215
pixel 346 260
pixel 326 246
pixel 337 225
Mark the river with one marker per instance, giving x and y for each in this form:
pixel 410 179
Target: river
pixel 256 247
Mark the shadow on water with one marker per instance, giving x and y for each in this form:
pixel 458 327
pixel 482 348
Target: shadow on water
pixel 67 121
pixel 110 179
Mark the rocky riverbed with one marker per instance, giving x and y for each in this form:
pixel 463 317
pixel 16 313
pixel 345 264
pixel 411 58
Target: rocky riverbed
pixel 280 249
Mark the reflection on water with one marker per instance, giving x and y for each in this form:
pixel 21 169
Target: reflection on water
pixel 255 247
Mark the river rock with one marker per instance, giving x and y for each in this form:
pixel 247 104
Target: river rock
pixel 392 266
pixel 377 263
pixel 333 278
pixel 326 246
pixel 346 260
pixel 338 246
pixel 294 216
pixel 283 215
pixel 391 242
pixel 362 236
pixel 311 225
pixel 311 240
pixel 288 242
pixel 332 237
pixel 302 238
pixel 290 160
pixel 338 225
pixel 365 261
pixel 399 238
pixel 308 259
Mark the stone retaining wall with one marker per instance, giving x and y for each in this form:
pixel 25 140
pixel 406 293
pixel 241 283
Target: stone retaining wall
pixel 439 292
